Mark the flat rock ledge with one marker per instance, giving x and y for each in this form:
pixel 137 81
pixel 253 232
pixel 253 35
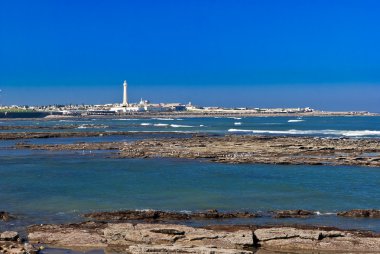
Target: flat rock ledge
pixel 171 238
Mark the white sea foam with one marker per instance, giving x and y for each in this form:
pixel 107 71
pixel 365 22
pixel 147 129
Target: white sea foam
pixel 160 124
pixel 163 119
pixel 361 133
pixel 237 123
pixel 91 126
pixel 180 126
pixel 201 125
pixel 321 214
pixel 126 119
pixel 295 120
pixel 347 133
pixel 237 118
pixel 145 124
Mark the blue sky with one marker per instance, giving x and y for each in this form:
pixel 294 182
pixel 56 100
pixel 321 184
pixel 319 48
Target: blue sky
pixel 323 54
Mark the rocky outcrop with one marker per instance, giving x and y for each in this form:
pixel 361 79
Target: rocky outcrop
pixel 293 214
pixel 167 249
pixel 370 213
pixel 129 215
pixel 291 239
pixel 234 148
pixel 171 238
pixel 10 242
pixel 139 238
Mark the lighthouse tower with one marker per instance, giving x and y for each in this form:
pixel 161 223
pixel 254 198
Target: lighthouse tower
pixel 125 97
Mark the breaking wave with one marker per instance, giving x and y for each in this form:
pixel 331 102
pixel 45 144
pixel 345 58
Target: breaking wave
pixel 346 133
pixel 181 126
pixel 163 119
pixel 91 126
pixel 160 124
pixel 237 123
pixel 145 124
pixel 295 121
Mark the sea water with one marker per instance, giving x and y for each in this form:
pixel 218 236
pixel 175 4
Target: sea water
pixel 333 126
pixel 51 187
pixel 57 187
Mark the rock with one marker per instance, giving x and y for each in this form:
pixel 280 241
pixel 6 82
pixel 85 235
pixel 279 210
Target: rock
pixel 171 238
pixel 267 234
pixel 292 239
pixel 293 214
pixel 361 213
pixel 81 234
pixel 143 248
pixel 10 243
pixel 9 236
pixel 129 215
pixel 155 235
pixel 5 216
pixel 129 234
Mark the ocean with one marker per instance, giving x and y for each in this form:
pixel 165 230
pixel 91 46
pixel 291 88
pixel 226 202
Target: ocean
pixel 57 187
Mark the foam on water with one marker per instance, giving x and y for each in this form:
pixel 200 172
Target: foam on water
pixel 92 126
pixel 163 119
pixel 161 124
pixel 145 124
pixel 295 121
pixel 237 123
pixel 181 126
pixel 347 133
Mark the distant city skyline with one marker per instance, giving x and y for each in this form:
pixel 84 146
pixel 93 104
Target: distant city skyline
pixel 322 54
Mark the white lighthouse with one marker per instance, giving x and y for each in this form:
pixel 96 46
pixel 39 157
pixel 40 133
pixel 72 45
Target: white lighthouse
pixel 125 97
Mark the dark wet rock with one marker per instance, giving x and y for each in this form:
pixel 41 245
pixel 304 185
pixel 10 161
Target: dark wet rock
pixel 130 215
pixel 372 213
pixel 5 216
pixel 293 214
pixel 227 149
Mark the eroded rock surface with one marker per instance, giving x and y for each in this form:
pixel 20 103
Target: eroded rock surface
pixel 291 239
pixel 172 238
pixel 141 237
pixel 241 149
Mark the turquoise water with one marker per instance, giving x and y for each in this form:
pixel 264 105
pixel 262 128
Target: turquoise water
pixel 56 187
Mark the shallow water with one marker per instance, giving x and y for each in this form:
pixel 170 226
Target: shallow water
pixel 55 187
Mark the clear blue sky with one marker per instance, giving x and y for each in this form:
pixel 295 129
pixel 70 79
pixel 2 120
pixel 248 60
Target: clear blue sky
pixel 323 54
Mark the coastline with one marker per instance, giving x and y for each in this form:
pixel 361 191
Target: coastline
pixel 189 114
pixel 138 232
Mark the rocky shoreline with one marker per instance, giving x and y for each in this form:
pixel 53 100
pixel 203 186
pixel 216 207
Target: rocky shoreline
pixel 136 238
pixel 241 149
pixel 152 231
